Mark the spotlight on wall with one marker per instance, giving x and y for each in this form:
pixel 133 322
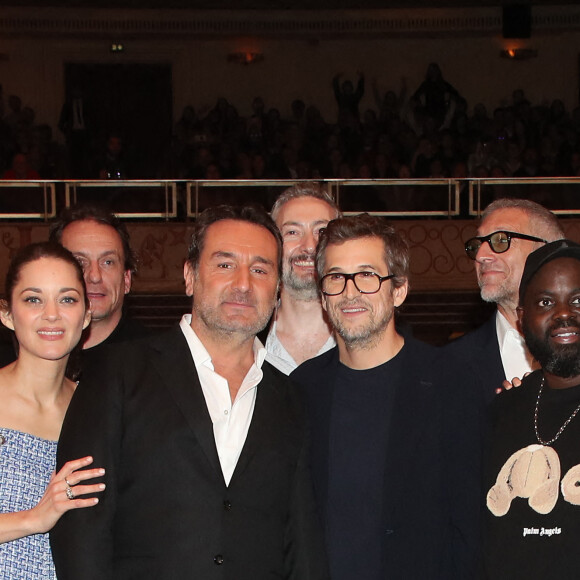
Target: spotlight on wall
pixel 117 47
pixel 245 58
pixel 519 53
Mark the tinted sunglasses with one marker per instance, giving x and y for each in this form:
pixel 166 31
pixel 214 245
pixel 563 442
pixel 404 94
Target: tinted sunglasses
pixel 499 242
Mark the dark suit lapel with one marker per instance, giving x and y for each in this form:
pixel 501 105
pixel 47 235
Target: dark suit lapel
pixel 175 366
pixel 492 353
pixel 409 419
pixel 319 392
pixel 265 420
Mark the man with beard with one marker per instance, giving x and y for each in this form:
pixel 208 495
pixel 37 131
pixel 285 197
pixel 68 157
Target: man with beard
pixel 510 229
pixel 299 328
pixel 395 440
pixel 204 443
pixel 533 475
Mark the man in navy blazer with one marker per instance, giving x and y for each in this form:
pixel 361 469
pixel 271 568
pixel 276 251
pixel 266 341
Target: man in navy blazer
pixel 204 443
pixel 396 447
pixel 510 230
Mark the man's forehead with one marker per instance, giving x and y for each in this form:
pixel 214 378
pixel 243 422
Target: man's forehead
pixel 509 219
pixel 305 210
pixel 358 253
pixel 90 238
pixel 89 231
pixel 237 235
pixel 555 271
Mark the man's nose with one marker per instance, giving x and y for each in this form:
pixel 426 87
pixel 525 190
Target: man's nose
pixel 309 242
pixel 242 279
pixel 485 253
pixel 350 290
pixel 93 273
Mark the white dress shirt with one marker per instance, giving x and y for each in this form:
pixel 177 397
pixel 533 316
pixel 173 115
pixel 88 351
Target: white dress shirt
pixel 516 359
pixel 231 420
pixel 279 357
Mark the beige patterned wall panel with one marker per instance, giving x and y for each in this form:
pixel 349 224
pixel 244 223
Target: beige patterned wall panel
pixel 438 260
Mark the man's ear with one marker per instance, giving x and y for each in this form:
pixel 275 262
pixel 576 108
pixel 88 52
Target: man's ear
pixel 323 302
pixel 6 315
pixel 87 320
pixel 400 293
pixel 127 278
pixel 520 321
pixel 189 277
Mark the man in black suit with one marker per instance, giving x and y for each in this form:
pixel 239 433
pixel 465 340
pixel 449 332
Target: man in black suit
pixel 510 229
pixel 395 441
pixel 204 443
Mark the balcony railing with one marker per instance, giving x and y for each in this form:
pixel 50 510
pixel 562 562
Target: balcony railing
pixel 179 200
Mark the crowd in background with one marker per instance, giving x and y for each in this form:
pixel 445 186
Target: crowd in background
pixel 431 132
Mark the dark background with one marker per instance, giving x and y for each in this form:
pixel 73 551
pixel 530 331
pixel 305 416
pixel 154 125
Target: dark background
pixel 279 4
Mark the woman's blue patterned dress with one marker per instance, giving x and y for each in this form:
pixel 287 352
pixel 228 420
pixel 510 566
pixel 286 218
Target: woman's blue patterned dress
pixel 26 464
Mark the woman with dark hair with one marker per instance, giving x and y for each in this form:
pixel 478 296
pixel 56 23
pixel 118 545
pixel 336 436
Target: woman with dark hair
pixel 47 308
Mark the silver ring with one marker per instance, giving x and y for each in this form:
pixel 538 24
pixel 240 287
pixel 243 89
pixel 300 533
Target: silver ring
pixel 69 492
pixel 68 482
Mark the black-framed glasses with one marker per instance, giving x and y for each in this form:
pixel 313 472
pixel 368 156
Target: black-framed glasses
pixel 499 242
pixel 365 282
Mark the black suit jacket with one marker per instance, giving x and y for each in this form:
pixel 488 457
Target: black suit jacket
pixel 431 507
pixel 479 349
pixel 167 512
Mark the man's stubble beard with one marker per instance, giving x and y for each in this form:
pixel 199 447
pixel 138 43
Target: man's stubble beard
pixel 216 322
pixel 499 294
pixel 302 288
pixel 362 337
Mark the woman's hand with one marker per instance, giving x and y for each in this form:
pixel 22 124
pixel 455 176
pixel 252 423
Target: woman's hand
pixel 66 491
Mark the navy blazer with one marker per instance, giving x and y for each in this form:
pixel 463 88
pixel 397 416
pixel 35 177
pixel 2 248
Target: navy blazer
pixel 167 513
pixel 479 349
pixel 431 507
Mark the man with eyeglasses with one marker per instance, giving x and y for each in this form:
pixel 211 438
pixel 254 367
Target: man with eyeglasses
pixel 509 231
pixel 395 443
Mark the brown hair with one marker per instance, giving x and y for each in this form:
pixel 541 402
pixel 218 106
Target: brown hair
pixel 101 215
pixel 343 229
pixel 34 252
pixel 249 213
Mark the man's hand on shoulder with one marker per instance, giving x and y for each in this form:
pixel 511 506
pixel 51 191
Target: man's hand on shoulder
pixel 507 385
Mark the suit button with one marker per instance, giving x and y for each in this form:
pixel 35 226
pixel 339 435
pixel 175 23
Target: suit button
pixel 219 559
pixel 227 505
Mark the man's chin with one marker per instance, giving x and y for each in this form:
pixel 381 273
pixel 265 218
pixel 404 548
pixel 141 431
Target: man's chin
pixel 100 316
pixel 492 293
pixel 306 288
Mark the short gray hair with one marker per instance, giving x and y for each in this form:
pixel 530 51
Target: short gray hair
pixel 305 189
pixel 544 223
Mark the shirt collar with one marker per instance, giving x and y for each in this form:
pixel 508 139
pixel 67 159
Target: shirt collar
pixel 505 330
pixel 200 353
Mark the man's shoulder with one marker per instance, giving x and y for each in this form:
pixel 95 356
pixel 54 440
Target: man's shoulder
pixel 417 348
pixel 428 364
pixel 311 369
pixel 516 396
pixel 482 337
pixel 125 353
pixel 128 329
